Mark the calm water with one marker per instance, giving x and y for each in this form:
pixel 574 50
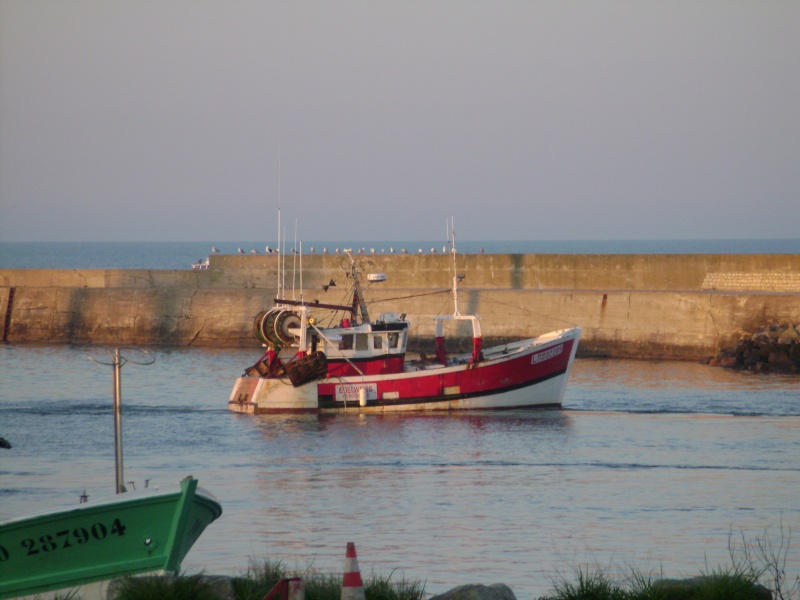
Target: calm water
pixel 652 464
pixel 181 255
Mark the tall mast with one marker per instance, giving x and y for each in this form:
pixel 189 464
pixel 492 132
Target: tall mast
pixel 455 271
pixel 358 296
pixel 280 250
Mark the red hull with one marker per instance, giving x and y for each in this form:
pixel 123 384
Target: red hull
pixel 448 383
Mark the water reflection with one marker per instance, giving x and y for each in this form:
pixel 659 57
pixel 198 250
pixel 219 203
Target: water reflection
pixel 645 465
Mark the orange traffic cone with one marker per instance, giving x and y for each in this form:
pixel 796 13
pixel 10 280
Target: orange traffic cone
pixel 352 586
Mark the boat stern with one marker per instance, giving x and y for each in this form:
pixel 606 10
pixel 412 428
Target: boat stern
pixel 257 395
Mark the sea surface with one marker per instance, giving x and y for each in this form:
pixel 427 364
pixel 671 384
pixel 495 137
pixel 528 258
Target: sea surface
pixel 657 466
pixel 181 255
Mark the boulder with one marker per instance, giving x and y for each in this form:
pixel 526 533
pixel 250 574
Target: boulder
pixel 496 591
pixel 771 348
pixel 788 336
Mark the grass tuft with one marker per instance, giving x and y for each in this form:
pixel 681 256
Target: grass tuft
pixel 589 586
pixel 190 587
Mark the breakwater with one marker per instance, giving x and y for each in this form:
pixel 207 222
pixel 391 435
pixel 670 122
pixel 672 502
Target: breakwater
pixel 635 306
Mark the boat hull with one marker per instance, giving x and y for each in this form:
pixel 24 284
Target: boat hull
pixel 530 373
pixel 135 532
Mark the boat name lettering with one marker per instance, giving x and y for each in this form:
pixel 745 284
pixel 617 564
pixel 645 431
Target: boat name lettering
pixel 349 392
pixel 554 351
pixel 67 538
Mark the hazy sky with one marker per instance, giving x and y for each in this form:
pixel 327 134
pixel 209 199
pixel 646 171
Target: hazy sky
pixel 192 120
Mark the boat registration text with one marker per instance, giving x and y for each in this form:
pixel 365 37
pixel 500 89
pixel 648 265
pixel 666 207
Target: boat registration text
pixel 554 351
pixel 50 542
pixel 350 392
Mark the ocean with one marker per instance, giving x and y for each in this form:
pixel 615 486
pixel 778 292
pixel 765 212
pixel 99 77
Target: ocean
pixel 181 255
pixel 658 466
pixel 650 465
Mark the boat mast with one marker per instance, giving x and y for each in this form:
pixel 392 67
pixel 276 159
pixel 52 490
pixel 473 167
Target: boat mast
pixel 358 296
pixel 455 272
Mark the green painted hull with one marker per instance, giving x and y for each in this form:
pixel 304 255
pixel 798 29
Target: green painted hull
pixel 135 532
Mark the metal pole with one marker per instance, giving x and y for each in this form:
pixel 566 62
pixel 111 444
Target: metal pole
pixel 118 422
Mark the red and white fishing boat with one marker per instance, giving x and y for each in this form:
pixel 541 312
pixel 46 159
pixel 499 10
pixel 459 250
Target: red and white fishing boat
pixel 359 364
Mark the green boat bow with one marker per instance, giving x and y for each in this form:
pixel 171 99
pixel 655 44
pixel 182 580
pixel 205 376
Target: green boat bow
pixel 134 532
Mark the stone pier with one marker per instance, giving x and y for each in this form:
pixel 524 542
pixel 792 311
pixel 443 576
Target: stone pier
pixel 635 306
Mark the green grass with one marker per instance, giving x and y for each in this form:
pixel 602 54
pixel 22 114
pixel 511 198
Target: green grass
pixel 260 579
pixel 757 569
pixel 731 583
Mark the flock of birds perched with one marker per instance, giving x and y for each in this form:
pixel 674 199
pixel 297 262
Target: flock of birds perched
pixel 203 263
pixel 362 250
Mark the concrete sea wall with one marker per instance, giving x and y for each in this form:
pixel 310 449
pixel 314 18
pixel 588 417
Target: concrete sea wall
pixel 642 306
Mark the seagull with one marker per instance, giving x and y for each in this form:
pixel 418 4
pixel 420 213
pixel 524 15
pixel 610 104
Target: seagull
pixel 404 251
pixel 391 250
pixel 433 250
pixel 312 249
pixel 419 251
pixel 372 250
pixel 240 251
pixel 214 249
pixel 324 250
pixel 253 251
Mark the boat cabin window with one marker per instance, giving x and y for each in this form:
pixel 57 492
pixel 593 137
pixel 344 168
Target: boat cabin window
pixel 394 337
pixel 361 341
pixel 347 342
pixel 377 342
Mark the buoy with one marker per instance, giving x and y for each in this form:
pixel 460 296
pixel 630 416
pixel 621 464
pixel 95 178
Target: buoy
pixel 352 586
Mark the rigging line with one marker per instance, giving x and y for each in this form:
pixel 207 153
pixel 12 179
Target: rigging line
pixel 406 297
pixel 335 347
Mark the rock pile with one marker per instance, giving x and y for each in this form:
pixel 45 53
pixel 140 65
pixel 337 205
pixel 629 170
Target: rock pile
pixel 772 348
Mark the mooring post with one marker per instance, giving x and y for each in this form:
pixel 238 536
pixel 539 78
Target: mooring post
pixel 118 422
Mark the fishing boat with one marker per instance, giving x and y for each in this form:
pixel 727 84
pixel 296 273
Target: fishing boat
pixel 140 531
pixel 357 363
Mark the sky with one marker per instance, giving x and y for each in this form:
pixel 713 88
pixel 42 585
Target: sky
pixel 187 120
